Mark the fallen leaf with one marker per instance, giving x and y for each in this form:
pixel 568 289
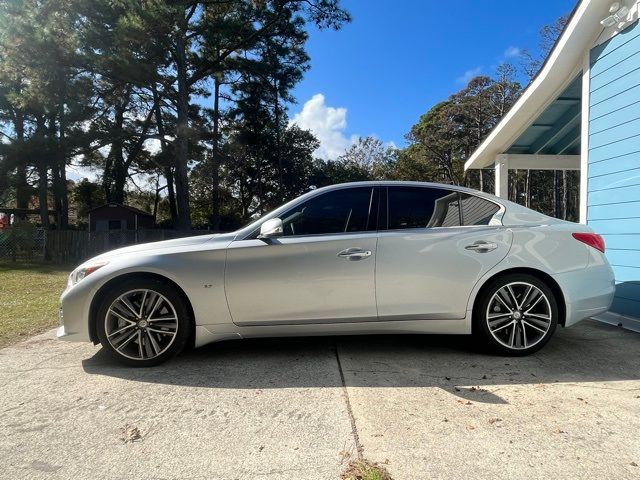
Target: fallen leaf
pixel 494 420
pixel 470 427
pixel 130 433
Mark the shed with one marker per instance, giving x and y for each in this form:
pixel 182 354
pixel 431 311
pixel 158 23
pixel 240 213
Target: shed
pixel 115 216
pixel 582 112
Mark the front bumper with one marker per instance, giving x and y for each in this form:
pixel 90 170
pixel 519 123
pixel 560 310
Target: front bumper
pixel 74 314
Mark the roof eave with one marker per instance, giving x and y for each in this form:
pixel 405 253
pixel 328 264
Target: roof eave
pixel 559 69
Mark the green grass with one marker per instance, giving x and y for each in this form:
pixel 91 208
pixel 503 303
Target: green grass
pixel 365 470
pixel 29 297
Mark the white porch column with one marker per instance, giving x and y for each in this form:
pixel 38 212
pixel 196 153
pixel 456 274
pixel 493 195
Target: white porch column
pixel 584 136
pixel 502 176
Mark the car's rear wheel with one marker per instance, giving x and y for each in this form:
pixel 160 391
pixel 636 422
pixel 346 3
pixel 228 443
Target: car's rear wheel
pixel 143 322
pixel 516 315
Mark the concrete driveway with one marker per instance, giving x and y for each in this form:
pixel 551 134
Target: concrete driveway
pixel 428 407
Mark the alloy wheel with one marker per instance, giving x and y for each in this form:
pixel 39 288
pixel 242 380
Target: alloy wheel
pixel 519 315
pixel 141 324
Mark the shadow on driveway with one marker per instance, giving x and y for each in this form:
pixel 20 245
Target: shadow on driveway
pixel 588 352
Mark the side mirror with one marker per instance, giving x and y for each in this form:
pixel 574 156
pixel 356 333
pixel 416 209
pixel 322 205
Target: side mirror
pixel 272 228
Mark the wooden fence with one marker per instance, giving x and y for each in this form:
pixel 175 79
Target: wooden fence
pixel 71 246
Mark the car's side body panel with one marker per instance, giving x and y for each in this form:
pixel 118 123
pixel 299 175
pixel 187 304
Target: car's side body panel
pixel 550 249
pixel 294 280
pixel 196 265
pixel 429 273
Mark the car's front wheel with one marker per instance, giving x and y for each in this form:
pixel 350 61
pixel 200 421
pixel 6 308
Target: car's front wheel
pixel 143 322
pixel 516 314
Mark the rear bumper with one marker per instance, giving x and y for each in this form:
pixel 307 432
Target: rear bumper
pixel 587 292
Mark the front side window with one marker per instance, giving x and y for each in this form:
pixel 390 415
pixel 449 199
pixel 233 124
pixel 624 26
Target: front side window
pixel 338 211
pixel 423 207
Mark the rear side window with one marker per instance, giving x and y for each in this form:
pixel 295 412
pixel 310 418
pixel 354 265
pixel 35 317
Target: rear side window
pixel 338 211
pixel 476 210
pixel 423 207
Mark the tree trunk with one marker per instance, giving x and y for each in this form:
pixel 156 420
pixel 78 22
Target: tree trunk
pixel 565 195
pixel 43 190
pixel 55 172
pixel 167 169
pixel 61 161
pixel 171 195
pixel 215 159
pixel 278 149
pixel 556 195
pixel 527 189
pixel 182 136
pixel 22 187
pixel 116 169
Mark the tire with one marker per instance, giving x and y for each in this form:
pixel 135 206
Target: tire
pixel 515 315
pixel 143 322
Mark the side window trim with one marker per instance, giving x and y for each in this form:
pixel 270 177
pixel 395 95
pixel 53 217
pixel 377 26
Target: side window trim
pixel 374 210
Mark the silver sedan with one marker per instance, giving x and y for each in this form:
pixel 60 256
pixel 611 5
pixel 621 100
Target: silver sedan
pixel 358 258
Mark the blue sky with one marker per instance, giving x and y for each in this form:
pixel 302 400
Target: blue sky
pixel 379 73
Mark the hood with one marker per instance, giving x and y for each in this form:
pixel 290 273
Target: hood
pixel 155 247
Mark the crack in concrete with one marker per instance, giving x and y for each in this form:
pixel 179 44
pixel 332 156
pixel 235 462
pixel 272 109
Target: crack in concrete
pixel 352 418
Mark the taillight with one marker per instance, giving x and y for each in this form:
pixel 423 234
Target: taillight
pixel 592 239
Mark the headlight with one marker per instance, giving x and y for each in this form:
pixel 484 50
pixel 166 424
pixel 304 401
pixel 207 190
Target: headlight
pixel 80 273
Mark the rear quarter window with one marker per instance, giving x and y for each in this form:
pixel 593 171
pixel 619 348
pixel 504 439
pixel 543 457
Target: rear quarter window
pixel 476 210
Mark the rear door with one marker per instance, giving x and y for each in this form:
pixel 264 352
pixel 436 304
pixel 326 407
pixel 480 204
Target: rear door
pixel 436 246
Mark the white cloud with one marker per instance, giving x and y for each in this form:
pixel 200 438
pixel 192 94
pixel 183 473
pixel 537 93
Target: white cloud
pixel 328 124
pixel 512 52
pixel 469 74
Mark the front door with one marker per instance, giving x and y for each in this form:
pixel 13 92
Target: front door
pixel 320 271
pixel 437 245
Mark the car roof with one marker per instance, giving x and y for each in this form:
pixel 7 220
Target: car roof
pixel 371 183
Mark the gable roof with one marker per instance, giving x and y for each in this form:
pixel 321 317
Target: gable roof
pixel 127 207
pixel 560 68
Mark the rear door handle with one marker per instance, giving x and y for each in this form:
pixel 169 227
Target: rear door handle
pixel 481 246
pixel 354 253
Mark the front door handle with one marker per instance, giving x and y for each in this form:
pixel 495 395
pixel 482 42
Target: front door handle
pixel 481 246
pixel 354 253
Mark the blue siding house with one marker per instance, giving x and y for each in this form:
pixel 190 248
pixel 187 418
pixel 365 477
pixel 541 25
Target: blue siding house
pixel 582 112
pixel 613 172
